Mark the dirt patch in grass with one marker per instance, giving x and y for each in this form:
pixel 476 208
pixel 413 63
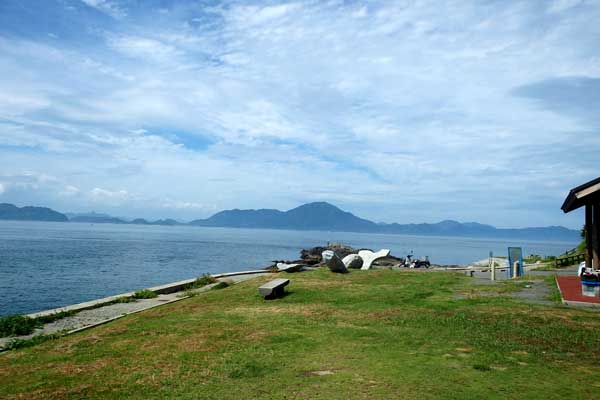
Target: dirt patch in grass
pixel 61 393
pixel 76 369
pixel 464 349
pixel 318 373
pixel 195 343
pixel 290 309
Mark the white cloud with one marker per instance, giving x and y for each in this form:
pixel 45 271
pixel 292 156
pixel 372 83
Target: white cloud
pixel 2 188
pixel 144 48
pixel 103 194
pixel 254 15
pixel 558 6
pixel 69 191
pixel 185 205
pixel 111 8
pixel 385 106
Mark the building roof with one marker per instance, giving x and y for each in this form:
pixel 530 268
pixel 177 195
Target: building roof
pixel 582 195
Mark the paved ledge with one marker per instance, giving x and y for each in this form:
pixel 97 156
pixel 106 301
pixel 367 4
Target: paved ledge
pixel 162 289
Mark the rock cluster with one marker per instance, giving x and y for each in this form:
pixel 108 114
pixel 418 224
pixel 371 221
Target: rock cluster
pixel 341 258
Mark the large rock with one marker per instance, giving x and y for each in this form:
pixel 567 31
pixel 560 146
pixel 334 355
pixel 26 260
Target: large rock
pixel 333 262
pixel 312 256
pixel 353 261
pixel 289 267
pixel 368 257
pixel 341 249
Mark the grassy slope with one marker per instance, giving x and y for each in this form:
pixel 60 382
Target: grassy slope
pixel 384 334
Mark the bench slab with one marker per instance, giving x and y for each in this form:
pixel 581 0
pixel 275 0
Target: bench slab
pixel 273 288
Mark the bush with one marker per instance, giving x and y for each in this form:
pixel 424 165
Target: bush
pixel 56 316
pixel 144 294
pixel 482 367
pixel 220 285
pixel 119 300
pixel 203 281
pixel 581 247
pixel 21 343
pixel 17 325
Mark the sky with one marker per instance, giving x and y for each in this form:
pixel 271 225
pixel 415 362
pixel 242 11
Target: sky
pixel 398 111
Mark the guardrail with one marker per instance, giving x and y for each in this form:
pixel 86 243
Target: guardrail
pixel 569 258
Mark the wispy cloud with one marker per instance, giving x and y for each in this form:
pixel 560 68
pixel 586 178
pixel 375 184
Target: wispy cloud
pixel 397 111
pixel 109 7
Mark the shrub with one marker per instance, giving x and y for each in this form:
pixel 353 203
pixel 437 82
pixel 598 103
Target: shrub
pixel 17 325
pixel 56 316
pixel 119 300
pixel 203 281
pixel 144 294
pixel 21 343
pixel 220 285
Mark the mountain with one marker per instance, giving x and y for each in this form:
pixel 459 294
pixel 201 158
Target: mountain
pixel 92 214
pixel 97 219
pixel 29 213
pixel 312 216
pixel 443 228
pixel 165 222
pixel 327 217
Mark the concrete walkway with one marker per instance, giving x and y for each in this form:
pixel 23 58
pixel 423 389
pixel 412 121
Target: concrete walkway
pixel 87 318
pixel 502 273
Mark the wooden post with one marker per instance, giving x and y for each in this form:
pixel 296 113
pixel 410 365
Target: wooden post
pixel 588 235
pixel 596 236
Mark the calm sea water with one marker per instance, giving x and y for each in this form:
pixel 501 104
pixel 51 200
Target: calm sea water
pixel 46 265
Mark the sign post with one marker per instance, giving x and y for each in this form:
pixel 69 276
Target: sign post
pixel 515 259
pixel 492 266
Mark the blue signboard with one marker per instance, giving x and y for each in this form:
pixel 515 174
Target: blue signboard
pixel 515 254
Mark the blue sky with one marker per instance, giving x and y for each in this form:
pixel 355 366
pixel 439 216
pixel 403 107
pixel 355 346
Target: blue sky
pixel 398 111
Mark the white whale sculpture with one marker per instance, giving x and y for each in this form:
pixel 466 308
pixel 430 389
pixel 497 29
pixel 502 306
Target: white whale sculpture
pixel 353 261
pixel 368 257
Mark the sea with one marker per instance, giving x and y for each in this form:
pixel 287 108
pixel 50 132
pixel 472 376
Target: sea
pixel 45 265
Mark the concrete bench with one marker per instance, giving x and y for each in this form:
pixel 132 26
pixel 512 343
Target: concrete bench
pixel 274 288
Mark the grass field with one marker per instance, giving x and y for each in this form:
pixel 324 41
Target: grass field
pixel 363 335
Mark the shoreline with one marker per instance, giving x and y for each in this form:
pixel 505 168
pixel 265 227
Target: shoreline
pixel 97 312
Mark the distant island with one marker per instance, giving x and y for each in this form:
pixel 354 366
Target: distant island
pixel 29 213
pixel 319 216
pixel 325 216
pixel 98 218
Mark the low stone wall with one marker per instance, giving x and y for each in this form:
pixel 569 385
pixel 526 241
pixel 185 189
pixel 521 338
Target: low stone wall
pixel 162 289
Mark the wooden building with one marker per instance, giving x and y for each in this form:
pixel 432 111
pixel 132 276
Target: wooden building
pixel 588 195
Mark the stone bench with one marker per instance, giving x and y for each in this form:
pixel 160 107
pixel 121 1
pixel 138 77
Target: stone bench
pixel 274 288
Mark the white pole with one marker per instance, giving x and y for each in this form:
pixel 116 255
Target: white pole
pixel 492 266
pixel 516 269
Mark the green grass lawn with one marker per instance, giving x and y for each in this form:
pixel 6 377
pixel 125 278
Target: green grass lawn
pixel 363 335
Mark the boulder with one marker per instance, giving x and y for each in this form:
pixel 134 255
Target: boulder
pixel 289 267
pixel 353 261
pixel 341 249
pixel 333 262
pixel 368 257
pixel 312 256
